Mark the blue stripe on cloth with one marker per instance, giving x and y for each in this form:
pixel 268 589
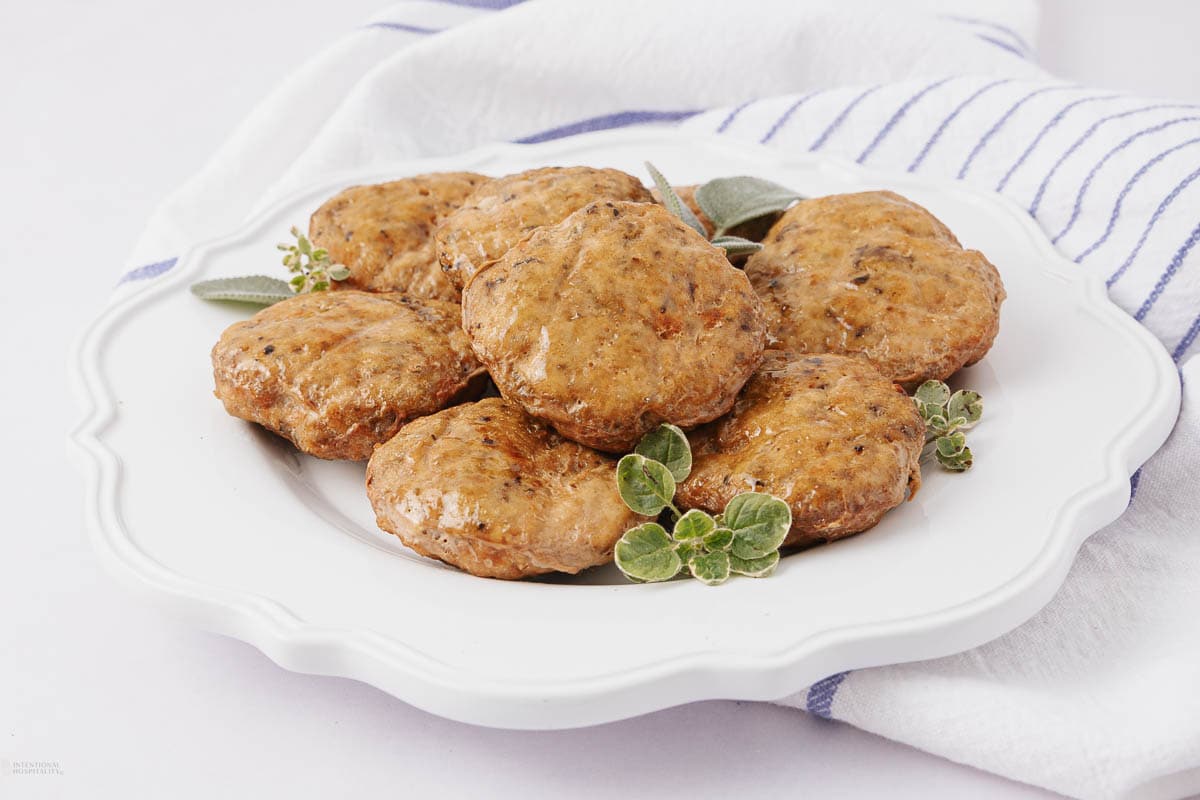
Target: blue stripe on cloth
pixel 1041 191
pixel 1057 118
pixel 821 694
pixel 1187 340
pixel 987 23
pixel 1134 480
pixel 1158 212
pixel 1116 212
pixel 1176 262
pixel 937 134
pixel 493 5
pixel 148 271
pixel 895 118
pixel 1000 123
pixel 618 120
pixel 1087 182
pixel 779 123
pixel 725 123
pixel 1002 45
pixel 403 26
pixel 840 118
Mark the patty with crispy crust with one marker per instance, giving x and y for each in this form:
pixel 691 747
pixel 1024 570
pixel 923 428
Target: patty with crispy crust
pixel 384 232
pixel 616 319
pixel 829 435
pixel 875 274
pixel 493 491
pixel 339 372
pixel 506 210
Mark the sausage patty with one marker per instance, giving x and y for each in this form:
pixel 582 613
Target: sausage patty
pixel 493 491
pixel 617 319
pixel 829 435
pixel 384 232
pixel 339 372
pixel 504 211
pixel 877 275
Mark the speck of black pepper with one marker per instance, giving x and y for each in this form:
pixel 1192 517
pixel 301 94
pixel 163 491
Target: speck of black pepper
pixel 269 349
pixel 488 440
pixel 861 279
pixel 485 419
pixel 480 525
pixel 858 448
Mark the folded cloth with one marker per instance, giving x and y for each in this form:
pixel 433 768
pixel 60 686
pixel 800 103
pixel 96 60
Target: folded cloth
pixel 1099 694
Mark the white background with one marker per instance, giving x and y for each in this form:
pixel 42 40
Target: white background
pixel 107 107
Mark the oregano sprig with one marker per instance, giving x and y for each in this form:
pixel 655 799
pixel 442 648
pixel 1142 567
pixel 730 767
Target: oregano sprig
pixel 743 540
pixel 311 267
pixel 946 416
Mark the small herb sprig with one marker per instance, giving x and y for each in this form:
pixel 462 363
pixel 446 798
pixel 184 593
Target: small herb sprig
pixel 743 540
pixel 312 270
pixel 729 203
pixel 946 416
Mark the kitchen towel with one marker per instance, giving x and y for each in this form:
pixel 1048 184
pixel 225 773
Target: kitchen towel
pixel 1099 694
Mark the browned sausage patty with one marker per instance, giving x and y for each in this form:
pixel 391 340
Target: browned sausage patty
pixel 506 210
pixel 617 319
pixel 384 232
pixel 877 275
pixel 493 491
pixel 840 443
pixel 339 372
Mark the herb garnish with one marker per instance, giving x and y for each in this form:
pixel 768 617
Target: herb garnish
pixel 946 416
pixel 312 267
pixel 745 539
pixel 728 202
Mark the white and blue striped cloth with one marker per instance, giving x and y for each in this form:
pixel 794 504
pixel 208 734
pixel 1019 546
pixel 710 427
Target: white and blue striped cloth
pixel 1097 696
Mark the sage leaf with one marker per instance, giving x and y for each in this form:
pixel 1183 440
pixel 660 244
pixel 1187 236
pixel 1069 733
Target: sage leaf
pixel 729 202
pixel 759 523
pixel 646 553
pixel 646 486
pixel 668 445
pixel 967 405
pixel 694 524
pixel 710 568
pixel 719 539
pixel 258 290
pixel 736 245
pixel 673 203
pixel 754 567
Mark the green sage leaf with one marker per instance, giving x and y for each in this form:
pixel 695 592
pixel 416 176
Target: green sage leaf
pixel 673 203
pixel 710 568
pixel 668 445
pixel 754 567
pixel 729 202
pixel 719 539
pixel 736 245
pixel 759 523
pixel 646 486
pixel 258 290
pixel 646 553
pixel 694 524
pixel 967 405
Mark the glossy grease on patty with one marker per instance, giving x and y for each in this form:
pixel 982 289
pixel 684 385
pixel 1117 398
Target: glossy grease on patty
pixel 337 373
pixel 506 210
pixel 384 232
pixel 829 435
pixel 876 275
pixel 493 491
pixel 617 319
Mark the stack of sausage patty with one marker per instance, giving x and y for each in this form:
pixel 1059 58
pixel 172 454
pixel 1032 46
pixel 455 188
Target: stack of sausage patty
pixel 598 315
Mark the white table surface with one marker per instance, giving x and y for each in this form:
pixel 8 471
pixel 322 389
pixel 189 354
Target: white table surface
pixel 108 107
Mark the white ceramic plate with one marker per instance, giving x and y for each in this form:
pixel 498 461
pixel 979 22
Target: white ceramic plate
pixel 228 525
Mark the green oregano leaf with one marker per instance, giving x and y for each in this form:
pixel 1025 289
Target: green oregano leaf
pixel 729 202
pixel 694 524
pixel 710 568
pixel 966 405
pixel 668 445
pixel 646 486
pixel 736 245
pixel 759 523
pixel 719 539
pixel 673 203
pixel 754 567
pixel 959 461
pixel 646 553
pixel 933 393
pixel 258 290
